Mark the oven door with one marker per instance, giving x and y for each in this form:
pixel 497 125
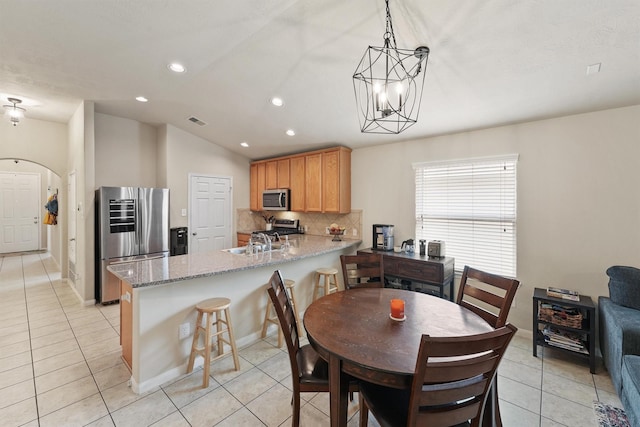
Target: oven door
pixel 275 200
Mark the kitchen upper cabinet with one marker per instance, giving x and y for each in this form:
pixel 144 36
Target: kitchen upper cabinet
pixel 284 178
pixel 277 174
pixel 297 177
pixel 257 184
pixel 313 183
pixel 271 175
pixel 336 181
pixel 320 181
pixel 254 197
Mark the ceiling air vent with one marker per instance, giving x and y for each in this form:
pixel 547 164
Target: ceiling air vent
pixel 197 121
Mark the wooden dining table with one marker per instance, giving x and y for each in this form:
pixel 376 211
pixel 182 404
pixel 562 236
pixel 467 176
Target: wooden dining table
pixel 353 331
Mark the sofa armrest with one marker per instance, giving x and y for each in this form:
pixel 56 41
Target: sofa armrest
pixel 619 335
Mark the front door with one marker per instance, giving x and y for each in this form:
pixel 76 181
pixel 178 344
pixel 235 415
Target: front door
pixel 210 214
pixel 19 212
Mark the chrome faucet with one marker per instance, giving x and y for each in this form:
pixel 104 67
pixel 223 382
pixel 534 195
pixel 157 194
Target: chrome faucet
pixel 265 239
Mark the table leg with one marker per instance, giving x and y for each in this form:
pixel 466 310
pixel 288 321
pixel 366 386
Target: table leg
pixel 338 390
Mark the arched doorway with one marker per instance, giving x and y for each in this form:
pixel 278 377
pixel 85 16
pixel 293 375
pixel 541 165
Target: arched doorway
pixel 31 185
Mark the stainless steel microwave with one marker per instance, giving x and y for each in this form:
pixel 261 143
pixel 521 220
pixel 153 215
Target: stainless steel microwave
pixel 276 200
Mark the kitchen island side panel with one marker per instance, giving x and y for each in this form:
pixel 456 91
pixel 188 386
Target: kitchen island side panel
pixel 158 353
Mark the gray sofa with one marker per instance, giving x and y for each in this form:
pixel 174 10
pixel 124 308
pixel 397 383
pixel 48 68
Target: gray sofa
pixel 620 336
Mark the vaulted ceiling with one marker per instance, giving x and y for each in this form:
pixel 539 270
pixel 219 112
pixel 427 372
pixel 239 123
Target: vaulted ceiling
pixel 492 62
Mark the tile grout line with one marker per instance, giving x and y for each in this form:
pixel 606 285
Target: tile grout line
pixel 33 370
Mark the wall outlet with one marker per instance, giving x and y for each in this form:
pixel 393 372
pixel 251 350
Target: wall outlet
pixel 326 230
pixel 355 232
pixel 184 330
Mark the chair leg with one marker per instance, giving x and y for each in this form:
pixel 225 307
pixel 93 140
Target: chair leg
pixel 194 343
pixel 316 288
pixel 267 316
pixel 232 341
pixel 364 411
pixel 207 352
pixel 295 418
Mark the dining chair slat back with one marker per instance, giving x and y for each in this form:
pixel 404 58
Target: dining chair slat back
pixel 446 391
pixel 309 372
pixel 362 271
pixel 489 289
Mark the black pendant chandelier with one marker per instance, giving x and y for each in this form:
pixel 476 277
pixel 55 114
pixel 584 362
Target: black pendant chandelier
pixel 388 84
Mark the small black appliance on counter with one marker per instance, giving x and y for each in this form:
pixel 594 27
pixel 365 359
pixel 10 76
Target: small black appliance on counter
pixel 382 237
pixel 179 241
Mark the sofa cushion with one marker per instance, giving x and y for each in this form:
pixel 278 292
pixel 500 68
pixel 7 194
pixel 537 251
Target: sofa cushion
pixel 624 286
pixel 631 388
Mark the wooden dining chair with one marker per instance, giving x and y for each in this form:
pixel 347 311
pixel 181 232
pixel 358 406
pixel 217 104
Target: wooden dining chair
pixel 362 271
pixel 444 392
pixel 309 372
pixel 494 292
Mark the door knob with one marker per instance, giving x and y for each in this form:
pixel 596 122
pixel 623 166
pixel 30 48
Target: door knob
pixel 35 222
pixel 194 234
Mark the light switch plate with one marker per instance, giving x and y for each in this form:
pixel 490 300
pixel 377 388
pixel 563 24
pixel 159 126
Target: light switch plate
pixel 184 212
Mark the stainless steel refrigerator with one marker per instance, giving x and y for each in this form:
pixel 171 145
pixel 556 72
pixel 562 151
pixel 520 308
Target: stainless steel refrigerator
pixel 131 224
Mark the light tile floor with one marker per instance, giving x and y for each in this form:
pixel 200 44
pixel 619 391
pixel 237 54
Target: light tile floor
pixel 60 366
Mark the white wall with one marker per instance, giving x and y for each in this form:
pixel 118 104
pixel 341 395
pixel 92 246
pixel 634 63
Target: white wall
pixel 81 159
pixel 42 143
pixel 125 152
pixel 184 153
pixel 38 141
pixel 578 195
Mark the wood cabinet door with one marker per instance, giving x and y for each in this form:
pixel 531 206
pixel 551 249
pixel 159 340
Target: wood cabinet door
pixel 331 182
pixel 271 175
pixel 261 183
pixel 254 197
pixel 284 180
pixel 243 239
pixel 126 323
pixel 313 185
pixel 297 183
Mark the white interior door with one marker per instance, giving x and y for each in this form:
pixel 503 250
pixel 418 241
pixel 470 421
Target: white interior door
pixel 19 212
pixel 210 213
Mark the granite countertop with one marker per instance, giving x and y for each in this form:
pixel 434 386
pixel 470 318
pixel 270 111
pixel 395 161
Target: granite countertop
pixel 182 267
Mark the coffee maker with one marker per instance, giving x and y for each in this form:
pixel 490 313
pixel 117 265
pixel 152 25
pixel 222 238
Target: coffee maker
pixel 382 237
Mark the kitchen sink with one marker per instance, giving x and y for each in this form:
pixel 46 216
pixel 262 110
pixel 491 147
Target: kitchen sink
pixel 238 251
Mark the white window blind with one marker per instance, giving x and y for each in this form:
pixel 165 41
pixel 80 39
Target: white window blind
pixel 470 205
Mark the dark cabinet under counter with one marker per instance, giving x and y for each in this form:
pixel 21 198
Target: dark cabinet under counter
pixel 417 272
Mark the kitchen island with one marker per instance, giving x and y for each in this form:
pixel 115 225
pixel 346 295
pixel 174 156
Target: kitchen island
pixel 159 296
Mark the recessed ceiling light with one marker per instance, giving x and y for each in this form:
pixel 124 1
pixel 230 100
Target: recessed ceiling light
pixel 177 68
pixel 278 102
pixel 244 144
pixel 141 99
pixel 291 132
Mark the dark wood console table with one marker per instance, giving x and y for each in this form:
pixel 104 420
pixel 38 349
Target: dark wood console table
pixel 423 274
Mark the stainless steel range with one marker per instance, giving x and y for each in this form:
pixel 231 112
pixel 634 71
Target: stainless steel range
pixel 282 227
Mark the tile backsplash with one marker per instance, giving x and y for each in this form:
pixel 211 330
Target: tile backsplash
pixel 314 223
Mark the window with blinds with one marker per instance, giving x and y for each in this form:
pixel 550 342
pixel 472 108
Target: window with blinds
pixel 470 205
